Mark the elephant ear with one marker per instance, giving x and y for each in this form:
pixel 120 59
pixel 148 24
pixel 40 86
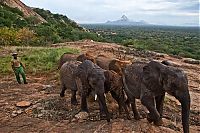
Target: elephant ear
pixel 146 73
pixel 153 76
pixel 107 75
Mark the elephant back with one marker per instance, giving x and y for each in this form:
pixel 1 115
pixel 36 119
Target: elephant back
pixel 103 61
pixel 115 80
pixel 134 71
pixel 65 58
pixel 86 56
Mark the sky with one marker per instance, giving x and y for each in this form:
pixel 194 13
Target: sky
pixel 163 12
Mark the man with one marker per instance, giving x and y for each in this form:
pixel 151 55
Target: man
pixel 18 68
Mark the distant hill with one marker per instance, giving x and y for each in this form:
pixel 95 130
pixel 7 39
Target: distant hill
pixel 23 25
pixel 126 21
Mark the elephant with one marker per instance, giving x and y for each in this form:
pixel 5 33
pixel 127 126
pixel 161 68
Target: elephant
pixel 73 57
pixel 149 82
pixel 68 79
pixel 111 63
pixel 114 85
pixel 66 57
pixel 85 56
pixel 100 81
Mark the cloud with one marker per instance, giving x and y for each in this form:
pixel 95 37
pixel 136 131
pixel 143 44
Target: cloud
pixel 85 11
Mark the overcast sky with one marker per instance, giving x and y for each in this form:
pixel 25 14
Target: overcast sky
pixel 172 12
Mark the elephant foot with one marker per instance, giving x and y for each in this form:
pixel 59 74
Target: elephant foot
pixel 103 116
pixel 159 122
pixel 62 94
pixel 137 117
pixel 150 120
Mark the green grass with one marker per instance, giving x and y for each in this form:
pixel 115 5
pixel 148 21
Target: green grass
pixel 35 59
pixel 5 65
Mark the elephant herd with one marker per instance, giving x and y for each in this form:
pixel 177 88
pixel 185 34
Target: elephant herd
pixel 125 81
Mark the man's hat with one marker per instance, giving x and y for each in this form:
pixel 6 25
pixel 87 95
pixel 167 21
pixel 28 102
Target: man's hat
pixel 13 54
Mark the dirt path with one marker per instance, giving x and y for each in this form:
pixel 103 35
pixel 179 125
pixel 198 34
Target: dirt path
pixel 50 113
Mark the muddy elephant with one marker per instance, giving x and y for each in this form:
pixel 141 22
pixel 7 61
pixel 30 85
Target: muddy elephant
pixel 108 63
pixel 97 80
pixel 114 85
pixel 68 79
pixel 85 56
pixel 73 57
pixel 149 82
pixel 66 57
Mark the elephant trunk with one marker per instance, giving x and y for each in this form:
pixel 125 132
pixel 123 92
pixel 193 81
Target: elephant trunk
pixel 185 105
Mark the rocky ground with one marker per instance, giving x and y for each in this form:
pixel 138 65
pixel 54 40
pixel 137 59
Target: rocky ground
pixel 48 112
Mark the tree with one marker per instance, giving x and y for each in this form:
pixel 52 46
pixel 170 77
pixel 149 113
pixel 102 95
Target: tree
pixel 7 36
pixel 25 36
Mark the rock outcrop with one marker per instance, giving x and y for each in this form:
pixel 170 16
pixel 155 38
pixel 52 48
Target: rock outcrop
pixel 28 12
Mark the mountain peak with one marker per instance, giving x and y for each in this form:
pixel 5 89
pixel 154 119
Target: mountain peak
pixel 126 21
pixel 124 18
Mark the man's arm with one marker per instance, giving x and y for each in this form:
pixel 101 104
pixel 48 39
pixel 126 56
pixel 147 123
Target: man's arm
pixel 12 64
pixel 22 65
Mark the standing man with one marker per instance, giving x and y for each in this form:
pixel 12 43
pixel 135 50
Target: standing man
pixel 18 68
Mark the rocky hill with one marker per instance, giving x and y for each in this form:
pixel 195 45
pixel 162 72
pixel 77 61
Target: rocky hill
pixel 40 26
pixel 27 11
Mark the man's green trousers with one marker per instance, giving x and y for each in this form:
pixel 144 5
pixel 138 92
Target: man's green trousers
pixel 20 71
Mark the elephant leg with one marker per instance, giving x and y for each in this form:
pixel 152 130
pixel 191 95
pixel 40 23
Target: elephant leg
pixel 134 108
pixel 103 102
pixel 63 88
pixel 73 97
pixel 159 107
pixel 149 101
pixel 114 95
pixel 84 107
pixel 102 112
pixel 159 104
pixel 131 100
pixel 121 103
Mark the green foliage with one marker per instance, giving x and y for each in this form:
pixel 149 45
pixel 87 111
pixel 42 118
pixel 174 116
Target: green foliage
pixel 9 16
pixel 8 36
pixel 11 36
pixel 5 64
pixel 36 59
pixel 58 28
pixel 182 41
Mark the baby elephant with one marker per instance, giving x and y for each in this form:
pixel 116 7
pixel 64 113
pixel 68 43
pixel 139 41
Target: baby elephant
pixel 100 81
pixel 68 79
pixel 114 85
